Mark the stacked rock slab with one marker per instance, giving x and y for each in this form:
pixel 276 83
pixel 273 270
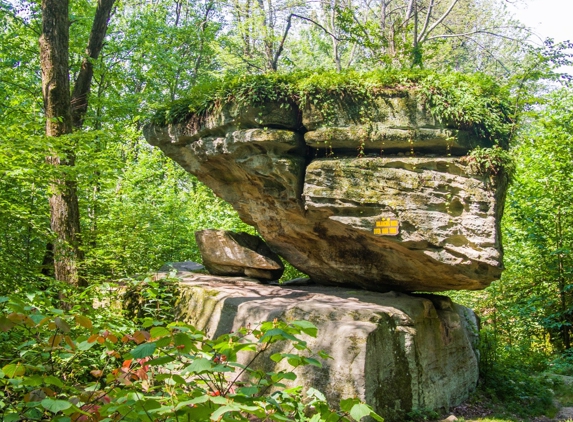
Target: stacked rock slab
pixel 314 189
pixel 237 254
pixel 394 351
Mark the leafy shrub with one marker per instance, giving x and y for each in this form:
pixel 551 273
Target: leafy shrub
pixel 61 366
pixel 491 161
pixel 507 379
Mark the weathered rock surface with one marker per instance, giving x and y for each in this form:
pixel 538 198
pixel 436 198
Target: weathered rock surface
pixel 238 254
pixel 317 207
pixel 395 351
pixel 178 267
pixel 397 123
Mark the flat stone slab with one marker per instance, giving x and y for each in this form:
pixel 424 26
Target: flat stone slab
pixel 397 352
pixel 236 254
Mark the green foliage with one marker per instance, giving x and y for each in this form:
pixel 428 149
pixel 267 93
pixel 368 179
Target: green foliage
pixel 492 162
pixel 422 415
pixel 150 298
pixel 66 366
pixel 519 392
pixel 458 100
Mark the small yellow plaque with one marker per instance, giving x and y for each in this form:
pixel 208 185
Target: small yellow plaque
pixel 387 227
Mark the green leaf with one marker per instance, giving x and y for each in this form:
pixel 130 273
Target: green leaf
pixel 5 324
pixel 182 339
pixel 163 342
pixel 221 411
pixel 306 327
pixel 143 350
pixel 85 345
pixel 277 357
pixel 312 361
pixel 161 360
pixel 247 391
pixel 277 334
pixel 14 370
pixel 55 406
pixel 199 366
pixel 84 321
pixel 62 325
pixel 52 380
pixel 360 410
pixel 156 332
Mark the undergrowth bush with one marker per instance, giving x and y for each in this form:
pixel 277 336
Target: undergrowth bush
pixel 511 379
pixel 68 366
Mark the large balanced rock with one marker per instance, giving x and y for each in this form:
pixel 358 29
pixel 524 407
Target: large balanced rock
pixel 238 254
pixel 387 204
pixel 394 351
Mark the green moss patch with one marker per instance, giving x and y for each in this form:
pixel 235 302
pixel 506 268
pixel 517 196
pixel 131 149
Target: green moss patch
pixel 458 100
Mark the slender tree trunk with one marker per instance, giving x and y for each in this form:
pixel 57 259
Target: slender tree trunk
pixel 95 44
pixel 565 329
pixel 334 40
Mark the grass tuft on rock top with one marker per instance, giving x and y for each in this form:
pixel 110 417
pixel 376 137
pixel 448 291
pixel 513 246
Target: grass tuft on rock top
pixel 458 100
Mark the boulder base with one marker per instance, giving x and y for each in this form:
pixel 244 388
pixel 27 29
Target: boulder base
pixel 397 352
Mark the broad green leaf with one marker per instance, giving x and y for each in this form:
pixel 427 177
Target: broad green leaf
pixel 247 391
pixel 161 360
pixel 277 357
pixel 52 380
pixel 156 332
pixel 218 400
pixel 183 343
pixel 163 342
pixel 5 324
pixel 54 405
pixel 222 410
pixel 34 380
pixel 277 334
pixel 360 410
pixel 14 370
pixel 85 345
pixel 312 361
pixel 199 366
pixel 307 327
pixel 62 325
pixel 84 321
pixel 143 350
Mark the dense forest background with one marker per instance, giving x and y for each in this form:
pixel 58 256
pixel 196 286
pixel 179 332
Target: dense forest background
pixel 137 210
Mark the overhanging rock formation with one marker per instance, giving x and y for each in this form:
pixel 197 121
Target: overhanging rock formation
pixel 384 203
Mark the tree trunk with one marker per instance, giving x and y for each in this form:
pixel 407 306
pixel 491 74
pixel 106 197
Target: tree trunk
pixel 61 118
pixel 64 209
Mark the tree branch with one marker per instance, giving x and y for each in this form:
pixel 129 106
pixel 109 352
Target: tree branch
pixel 467 34
pixel 427 21
pixel 439 21
pixel 81 90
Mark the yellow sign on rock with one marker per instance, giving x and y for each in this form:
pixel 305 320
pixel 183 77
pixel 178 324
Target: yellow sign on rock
pixel 387 227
